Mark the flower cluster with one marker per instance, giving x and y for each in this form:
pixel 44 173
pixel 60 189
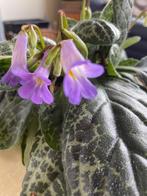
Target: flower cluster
pixel 35 85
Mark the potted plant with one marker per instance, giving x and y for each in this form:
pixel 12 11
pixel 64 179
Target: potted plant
pixel 78 136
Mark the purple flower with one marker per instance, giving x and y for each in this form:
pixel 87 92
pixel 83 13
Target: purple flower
pixel 77 71
pixel 19 61
pixel 35 85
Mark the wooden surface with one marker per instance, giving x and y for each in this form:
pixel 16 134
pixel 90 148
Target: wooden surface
pixel 71 8
pixel 11 172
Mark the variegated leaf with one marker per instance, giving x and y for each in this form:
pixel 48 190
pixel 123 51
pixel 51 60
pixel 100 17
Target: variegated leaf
pixel 104 142
pixel 6 47
pixel 122 16
pixel 107 12
pixel 51 118
pixel 44 176
pixel 13 114
pixel 98 32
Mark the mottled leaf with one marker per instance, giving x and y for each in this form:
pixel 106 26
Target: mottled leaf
pixel 98 32
pixel 44 174
pixel 31 128
pixel 122 16
pixel 13 114
pixel 107 12
pixel 96 14
pixel 115 54
pixel 4 87
pixel 6 47
pixel 139 75
pixel 51 118
pixel 104 142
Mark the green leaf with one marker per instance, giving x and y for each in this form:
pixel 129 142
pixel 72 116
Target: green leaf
pixel 111 70
pixel 96 14
pixel 6 48
pixel 4 87
pixel 71 22
pixel 51 121
pixel 115 55
pixel 31 128
pixel 5 55
pixel 44 174
pixel 122 16
pixel 107 12
pixel 13 114
pixel 130 42
pixel 137 74
pixel 98 32
pixel 104 142
pixel 129 62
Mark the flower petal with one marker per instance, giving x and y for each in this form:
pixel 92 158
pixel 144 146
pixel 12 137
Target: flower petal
pixel 42 70
pixel 91 70
pixel 72 90
pixel 75 95
pixel 19 57
pixel 10 79
pixel 88 90
pixel 26 90
pixel 69 54
pixel 36 96
pixel 47 97
pixel 67 85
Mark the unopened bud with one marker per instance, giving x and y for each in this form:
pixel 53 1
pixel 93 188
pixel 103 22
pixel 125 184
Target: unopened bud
pixel 57 67
pixel 88 13
pixel 33 38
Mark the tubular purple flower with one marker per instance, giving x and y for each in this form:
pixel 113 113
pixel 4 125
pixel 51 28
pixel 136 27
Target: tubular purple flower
pixel 77 71
pixel 35 85
pixel 19 61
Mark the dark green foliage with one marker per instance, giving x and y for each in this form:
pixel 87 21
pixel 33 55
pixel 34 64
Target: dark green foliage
pixel 105 142
pixel 122 16
pixel 6 47
pixel 98 32
pixel 51 118
pixel 13 115
pixel 44 172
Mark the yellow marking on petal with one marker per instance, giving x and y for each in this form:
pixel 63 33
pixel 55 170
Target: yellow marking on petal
pixel 72 75
pixel 39 81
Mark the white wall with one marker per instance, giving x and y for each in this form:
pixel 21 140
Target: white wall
pixel 27 9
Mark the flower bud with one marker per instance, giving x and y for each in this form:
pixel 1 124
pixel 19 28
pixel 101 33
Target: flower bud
pixel 57 67
pixel 33 38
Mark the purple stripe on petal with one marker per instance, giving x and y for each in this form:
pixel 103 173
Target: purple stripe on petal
pixel 88 90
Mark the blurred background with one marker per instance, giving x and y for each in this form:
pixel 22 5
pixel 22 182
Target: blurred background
pixel 14 13
pixel 44 14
